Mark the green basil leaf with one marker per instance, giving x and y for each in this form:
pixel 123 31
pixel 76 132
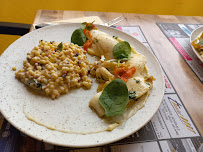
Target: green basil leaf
pixel 114 98
pixel 118 62
pixel 60 46
pixel 83 25
pixel 89 27
pixel 78 37
pixel 122 50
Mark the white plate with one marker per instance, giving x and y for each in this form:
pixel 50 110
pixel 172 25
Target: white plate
pixel 11 99
pixel 193 36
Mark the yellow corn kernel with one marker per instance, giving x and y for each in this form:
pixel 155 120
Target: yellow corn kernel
pixel 14 68
pixel 54 76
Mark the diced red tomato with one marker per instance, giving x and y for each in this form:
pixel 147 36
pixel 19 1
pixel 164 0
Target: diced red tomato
pixel 128 74
pixel 119 71
pixel 93 26
pixel 87 45
pixel 124 73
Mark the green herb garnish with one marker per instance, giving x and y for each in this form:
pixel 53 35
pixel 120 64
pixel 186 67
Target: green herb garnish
pixel 83 25
pixel 115 37
pixel 137 81
pixel 38 84
pixel 90 26
pixel 122 51
pixel 132 95
pixel 114 98
pixel 60 46
pixel 87 27
pixel 64 75
pixel 78 37
pixel 201 42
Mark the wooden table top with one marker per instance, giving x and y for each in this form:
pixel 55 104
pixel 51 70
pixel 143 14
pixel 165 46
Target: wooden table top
pixel 186 83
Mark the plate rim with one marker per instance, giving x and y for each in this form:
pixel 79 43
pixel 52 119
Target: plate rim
pixel 99 144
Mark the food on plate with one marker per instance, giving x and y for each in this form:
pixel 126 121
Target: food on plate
pixel 121 72
pixel 122 88
pixel 54 68
pixel 133 72
pixel 14 68
pixel 198 44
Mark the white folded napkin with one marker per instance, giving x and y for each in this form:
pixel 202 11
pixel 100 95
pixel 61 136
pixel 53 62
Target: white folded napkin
pixel 96 20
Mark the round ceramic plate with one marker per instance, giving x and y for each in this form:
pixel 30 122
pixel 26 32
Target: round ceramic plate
pixel 14 94
pixel 193 36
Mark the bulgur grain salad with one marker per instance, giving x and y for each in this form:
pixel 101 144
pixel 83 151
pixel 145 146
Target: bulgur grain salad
pixel 55 67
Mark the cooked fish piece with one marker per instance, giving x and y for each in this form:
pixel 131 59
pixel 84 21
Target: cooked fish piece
pixel 139 85
pixel 102 44
pixel 138 61
pixel 94 103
